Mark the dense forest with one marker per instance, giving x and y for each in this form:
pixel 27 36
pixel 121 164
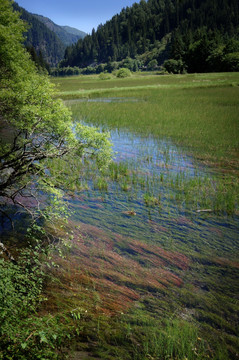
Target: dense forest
pixel 41 38
pixel 192 35
pixel 46 38
pixel 66 34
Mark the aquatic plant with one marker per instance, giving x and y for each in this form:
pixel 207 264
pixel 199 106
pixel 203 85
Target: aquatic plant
pixel 101 184
pixel 150 200
pixel 177 256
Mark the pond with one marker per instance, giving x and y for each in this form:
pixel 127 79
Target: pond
pixel 156 230
pixel 157 185
pixel 155 237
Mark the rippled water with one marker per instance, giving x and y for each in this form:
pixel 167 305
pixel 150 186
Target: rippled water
pixel 171 223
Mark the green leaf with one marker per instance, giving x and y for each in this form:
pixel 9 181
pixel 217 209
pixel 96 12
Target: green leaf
pixel 43 338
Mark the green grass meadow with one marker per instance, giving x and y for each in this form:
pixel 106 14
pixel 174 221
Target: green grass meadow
pixel 197 111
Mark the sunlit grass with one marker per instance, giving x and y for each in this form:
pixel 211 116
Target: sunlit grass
pixel 83 83
pixel 197 110
pixel 203 119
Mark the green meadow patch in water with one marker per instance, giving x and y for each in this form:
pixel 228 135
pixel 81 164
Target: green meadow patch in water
pixel 197 111
pixel 194 118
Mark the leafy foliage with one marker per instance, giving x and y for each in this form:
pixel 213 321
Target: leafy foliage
pixel 174 66
pixel 23 333
pixel 36 126
pixel 35 130
pixel 123 73
pixel 104 76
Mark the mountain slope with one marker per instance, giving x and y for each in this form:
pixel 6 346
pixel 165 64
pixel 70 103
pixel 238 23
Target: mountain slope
pixel 138 31
pixel 48 39
pixel 41 38
pixel 66 34
pixel 74 31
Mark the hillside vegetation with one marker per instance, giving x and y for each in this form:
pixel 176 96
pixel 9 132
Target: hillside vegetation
pixel 197 36
pixel 66 34
pixel 46 38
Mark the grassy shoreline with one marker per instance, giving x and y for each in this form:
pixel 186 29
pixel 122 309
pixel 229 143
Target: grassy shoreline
pixel 198 111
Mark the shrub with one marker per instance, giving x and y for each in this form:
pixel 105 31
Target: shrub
pixel 152 65
pixel 104 76
pixel 174 66
pixel 24 334
pixel 123 73
pixel 231 62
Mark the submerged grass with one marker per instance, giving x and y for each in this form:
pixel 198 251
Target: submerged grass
pixel 168 271
pixel 105 282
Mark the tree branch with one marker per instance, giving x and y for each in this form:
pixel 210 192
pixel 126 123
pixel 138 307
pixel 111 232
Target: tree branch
pixel 7 253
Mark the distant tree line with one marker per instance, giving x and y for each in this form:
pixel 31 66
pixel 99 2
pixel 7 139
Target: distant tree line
pixel 203 51
pixel 190 35
pixel 128 63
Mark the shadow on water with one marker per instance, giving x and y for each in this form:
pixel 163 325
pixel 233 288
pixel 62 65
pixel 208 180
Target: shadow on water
pixel 13 228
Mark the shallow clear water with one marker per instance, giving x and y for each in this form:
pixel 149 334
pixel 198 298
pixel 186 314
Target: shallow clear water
pixel 103 100
pixel 172 223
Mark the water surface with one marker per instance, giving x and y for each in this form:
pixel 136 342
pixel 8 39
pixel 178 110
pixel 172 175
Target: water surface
pixel 173 222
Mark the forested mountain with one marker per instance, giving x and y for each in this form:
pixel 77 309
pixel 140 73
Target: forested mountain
pixel 66 34
pixel 41 38
pixel 197 35
pixel 48 39
pixel 74 31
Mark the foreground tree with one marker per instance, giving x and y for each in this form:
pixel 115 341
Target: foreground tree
pixel 35 127
pixel 35 131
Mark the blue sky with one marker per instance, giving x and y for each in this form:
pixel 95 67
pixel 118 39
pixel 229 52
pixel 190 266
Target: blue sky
pixel 81 14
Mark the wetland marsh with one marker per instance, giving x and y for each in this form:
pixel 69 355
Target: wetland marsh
pixel 155 237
